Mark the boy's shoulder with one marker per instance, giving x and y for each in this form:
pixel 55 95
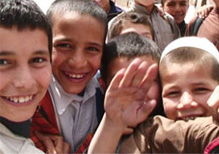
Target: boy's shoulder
pixel 20 144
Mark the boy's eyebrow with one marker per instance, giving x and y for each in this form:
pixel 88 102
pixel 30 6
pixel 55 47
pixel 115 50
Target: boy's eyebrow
pixel 96 44
pixel 9 53
pixel 6 53
pixel 41 52
pixel 70 40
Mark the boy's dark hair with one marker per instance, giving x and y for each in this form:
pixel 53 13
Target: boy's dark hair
pixel 130 16
pixel 82 7
pixel 24 14
pixel 128 45
pixel 198 57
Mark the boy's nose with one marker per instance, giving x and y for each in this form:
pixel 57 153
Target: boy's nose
pixel 78 60
pixel 177 7
pixel 24 79
pixel 185 100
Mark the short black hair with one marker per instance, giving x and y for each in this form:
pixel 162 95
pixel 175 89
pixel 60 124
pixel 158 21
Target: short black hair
pixel 24 14
pixel 129 45
pixel 78 6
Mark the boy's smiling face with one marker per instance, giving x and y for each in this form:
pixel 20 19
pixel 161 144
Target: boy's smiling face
pixel 25 72
pixel 77 50
pixel 186 89
pixel 176 8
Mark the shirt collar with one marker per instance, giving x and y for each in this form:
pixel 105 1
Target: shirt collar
pixel 62 99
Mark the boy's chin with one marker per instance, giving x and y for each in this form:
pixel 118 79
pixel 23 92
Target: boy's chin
pixel 75 90
pixel 18 119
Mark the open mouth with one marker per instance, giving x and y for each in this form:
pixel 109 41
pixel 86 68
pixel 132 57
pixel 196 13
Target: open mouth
pixel 19 100
pixel 187 118
pixel 76 76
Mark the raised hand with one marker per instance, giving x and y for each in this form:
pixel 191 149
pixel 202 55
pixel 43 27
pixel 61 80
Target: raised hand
pixel 213 103
pixel 127 102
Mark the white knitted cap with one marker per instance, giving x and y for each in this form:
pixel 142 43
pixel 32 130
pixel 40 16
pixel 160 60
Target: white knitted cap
pixel 192 41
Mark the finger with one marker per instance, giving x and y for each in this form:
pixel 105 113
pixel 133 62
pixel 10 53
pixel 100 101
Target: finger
pixel 140 74
pixel 151 75
pixel 47 142
pixel 128 131
pixel 213 103
pixel 116 80
pixel 130 73
pixel 66 148
pixel 145 110
pixel 58 141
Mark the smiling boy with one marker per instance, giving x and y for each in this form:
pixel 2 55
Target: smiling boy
pixel 75 97
pixel 25 71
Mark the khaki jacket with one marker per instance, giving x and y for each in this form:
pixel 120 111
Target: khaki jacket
pixel 161 135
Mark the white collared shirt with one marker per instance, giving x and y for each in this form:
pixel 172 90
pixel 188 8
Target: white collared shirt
pixel 75 115
pixel 11 143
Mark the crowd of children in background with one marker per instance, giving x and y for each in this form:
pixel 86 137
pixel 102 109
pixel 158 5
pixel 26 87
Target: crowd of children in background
pixel 91 77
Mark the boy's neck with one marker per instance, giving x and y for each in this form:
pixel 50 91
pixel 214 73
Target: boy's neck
pixel 107 8
pixel 18 128
pixel 149 8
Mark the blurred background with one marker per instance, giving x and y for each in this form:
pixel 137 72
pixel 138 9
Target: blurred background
pixel 125 4
pixel 44 4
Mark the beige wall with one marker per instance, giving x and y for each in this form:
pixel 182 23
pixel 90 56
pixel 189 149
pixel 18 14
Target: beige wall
pixel 122 3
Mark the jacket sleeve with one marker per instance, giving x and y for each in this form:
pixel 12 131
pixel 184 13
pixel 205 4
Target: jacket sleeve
pixel 161 135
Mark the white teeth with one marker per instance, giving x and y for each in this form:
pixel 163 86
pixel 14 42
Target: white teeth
pixel 189 118
pixel 76 76
pixel 20 99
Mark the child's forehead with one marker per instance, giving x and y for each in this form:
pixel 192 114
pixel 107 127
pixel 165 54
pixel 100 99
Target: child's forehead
pixel 76 20
pixel 13 39
pixel 191 67
pixel 73 15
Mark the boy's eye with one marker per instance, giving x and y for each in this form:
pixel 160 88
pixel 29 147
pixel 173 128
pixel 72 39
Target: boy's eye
pixel 173 93
pixel 200 90
pixel 95 49
pixel 38 60
pixel 183 3
pixel 171 4
pixel 63 46
pixel 4 62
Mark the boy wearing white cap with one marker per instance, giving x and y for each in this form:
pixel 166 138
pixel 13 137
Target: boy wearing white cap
pixel 161 135
pixel 189 71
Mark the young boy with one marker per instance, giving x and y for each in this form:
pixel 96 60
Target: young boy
pixel 131 21
pixel 122 50
pixel 185 93
pixel 165 28
pixel 73 106
pixel 25 71
pixel 158 134
pixel 177 9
